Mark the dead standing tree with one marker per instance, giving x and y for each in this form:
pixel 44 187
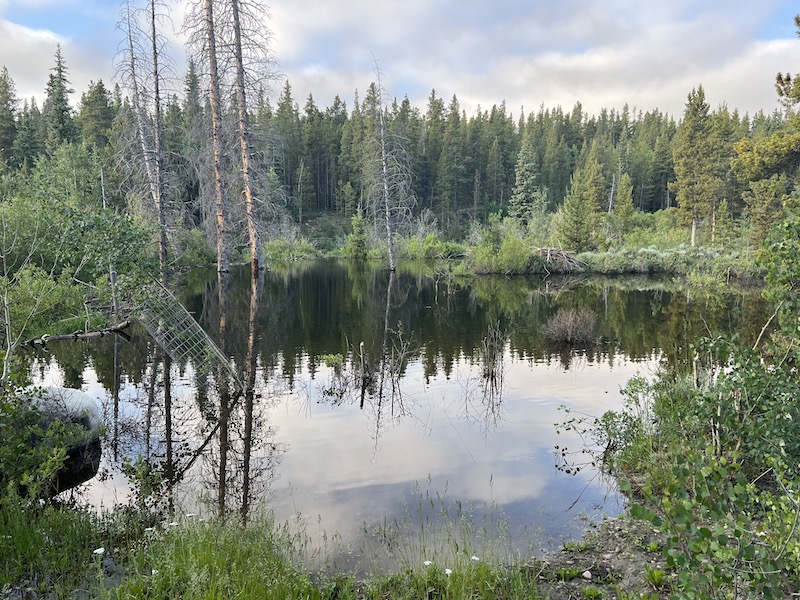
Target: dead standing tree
pixel 388 174
pixel 231 38
pixel 145 88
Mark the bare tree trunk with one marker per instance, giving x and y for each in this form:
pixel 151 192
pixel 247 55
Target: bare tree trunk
pixel 223 258
pixel 224 399
pixel 256 251
pixel 152 157
pixel 249 393
pixel 386 199
pixel 158 181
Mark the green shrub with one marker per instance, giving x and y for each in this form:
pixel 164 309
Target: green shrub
pixel 356 246
pixel 431 246
pixel 192 249
pixel 282 249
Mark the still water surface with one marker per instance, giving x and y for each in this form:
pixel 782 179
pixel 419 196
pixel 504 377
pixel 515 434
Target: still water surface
pixel 379 402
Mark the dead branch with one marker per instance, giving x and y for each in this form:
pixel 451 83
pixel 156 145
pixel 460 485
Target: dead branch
pixel 118 329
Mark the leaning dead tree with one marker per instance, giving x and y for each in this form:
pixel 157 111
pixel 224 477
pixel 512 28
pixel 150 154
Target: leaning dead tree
pixel 141 65
pixel 231 39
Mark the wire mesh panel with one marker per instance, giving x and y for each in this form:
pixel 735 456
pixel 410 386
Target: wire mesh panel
pixel 178 332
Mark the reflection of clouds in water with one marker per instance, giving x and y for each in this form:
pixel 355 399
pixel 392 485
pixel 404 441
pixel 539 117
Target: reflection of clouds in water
pixel 491 456
pixel 343 480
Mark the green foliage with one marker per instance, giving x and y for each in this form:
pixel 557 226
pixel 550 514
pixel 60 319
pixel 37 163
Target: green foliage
pixel 432 246
pixel 706 513
pixel 356 246
pixel 781 259
pixel 502 250
pixel 623 205
pixel 575 220
pixel 38 303
pixel 283 249
pixel 32 452
pixel 192 249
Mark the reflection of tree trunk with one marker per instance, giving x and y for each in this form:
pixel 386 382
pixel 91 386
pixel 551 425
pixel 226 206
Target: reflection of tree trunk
pixel 385 363
pixel 151 400
pixel 249 390
pixel 169 467
pixel 115 395
pixel 224 398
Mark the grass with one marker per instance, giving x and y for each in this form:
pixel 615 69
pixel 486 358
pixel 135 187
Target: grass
pixel 55 552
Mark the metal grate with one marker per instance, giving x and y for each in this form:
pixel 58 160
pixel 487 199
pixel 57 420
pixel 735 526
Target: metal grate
pixel 178 332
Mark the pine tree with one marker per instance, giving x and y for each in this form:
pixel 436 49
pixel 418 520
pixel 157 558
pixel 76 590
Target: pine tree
pixel 28 144
pixel 763 206
pixel 525 187
pixel 696 184
pixel 574 220
pixel 451 169
pixel 8 122
pixel 57 112
pixel 96 115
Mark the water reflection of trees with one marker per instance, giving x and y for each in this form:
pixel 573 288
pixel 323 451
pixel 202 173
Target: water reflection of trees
pixel 281 326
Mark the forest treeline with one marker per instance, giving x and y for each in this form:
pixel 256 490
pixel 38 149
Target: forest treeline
pixel 313 161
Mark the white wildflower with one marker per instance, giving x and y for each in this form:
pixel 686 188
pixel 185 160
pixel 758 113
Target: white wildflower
pixel 448 572
pixel 428 563
pixel 99 551
pixel 473 557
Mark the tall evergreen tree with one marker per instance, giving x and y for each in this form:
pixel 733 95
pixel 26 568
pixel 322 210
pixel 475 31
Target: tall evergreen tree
pixel 574 221
pixel 28 144
pixel 8 120
pixel 696 184
pixel 96 115
pixel 57 112
pixel 526 185
pixel 451 169
pixel 623 204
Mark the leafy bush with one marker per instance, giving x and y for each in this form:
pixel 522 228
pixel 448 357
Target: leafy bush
pixel 289 249
pixel 432 246
pixel 31 453
pixel 192 249
pixel 502 250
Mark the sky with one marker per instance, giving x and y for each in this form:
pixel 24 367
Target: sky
pixel 528 53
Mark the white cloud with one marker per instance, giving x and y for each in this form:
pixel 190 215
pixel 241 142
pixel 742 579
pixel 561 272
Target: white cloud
pixel 526 53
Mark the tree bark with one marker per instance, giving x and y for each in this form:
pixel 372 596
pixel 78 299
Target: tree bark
pixel 223 258
pixel 245 143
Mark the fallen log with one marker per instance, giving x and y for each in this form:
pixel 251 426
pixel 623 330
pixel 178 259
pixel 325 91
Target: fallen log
pixel 118 329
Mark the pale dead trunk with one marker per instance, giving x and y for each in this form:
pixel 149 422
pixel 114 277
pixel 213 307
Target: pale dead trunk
pixel 256 251
pixel 158 182
pixel 386 199
pixel 223 259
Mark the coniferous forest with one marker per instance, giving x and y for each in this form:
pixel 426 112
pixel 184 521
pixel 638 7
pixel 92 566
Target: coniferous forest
pixel 561 177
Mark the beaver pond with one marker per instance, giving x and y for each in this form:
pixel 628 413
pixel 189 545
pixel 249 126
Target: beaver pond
pixel 377 407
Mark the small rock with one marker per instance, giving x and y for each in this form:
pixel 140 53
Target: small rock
pixel 608 556
pixel 587 575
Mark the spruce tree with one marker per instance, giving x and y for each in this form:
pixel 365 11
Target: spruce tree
pixel 697 185
pixel 96 115
pixel 574 220
pixel 58 115
pixel 8 123
pixel 28 144
pixel 526 186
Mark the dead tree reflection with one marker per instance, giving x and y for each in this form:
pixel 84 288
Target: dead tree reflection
pixel 483 396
